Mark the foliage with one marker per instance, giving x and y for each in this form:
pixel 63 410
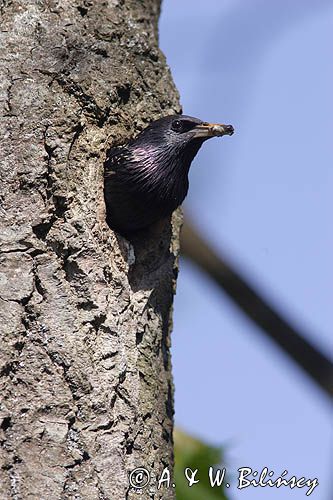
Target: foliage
pixel 192 453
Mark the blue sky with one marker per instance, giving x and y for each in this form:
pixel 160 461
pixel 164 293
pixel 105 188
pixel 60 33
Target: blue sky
pixel 263 197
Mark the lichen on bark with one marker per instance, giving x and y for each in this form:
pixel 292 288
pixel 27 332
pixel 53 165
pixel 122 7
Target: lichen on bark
pixel 86 388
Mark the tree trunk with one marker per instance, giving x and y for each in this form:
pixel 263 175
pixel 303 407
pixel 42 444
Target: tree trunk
pixel 86 388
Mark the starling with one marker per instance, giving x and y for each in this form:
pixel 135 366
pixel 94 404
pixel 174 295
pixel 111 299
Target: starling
pixel 147 179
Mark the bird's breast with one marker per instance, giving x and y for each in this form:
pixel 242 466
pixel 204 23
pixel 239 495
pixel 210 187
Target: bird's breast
pixel 142 188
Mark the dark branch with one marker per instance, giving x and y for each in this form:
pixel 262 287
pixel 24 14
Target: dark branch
pixel 257 308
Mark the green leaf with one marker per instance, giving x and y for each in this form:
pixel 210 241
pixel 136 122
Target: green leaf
pixel 193 453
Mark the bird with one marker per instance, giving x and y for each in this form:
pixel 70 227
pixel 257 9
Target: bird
pixel 146 179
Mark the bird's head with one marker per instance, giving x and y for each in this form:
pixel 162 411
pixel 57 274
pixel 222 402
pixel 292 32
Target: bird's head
pixel 161 155
pixel 150 174
pixel 168 145
pixel 181 134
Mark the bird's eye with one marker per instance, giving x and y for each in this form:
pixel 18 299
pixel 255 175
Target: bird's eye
pixel 177 125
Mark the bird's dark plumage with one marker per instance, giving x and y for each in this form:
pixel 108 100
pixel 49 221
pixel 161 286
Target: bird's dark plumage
pixel 147 179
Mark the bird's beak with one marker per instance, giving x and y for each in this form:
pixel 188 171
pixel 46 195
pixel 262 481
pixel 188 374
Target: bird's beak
pixel 206 130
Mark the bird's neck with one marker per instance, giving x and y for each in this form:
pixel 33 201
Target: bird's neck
pixel 163 173
pixel 187 154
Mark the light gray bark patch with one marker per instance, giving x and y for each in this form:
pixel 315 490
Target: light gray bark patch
pixel 16 277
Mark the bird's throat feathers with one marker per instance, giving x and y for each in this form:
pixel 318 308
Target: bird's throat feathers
pixel 164 168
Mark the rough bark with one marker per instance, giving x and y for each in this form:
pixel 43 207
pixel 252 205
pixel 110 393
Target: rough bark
pixel 86 389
